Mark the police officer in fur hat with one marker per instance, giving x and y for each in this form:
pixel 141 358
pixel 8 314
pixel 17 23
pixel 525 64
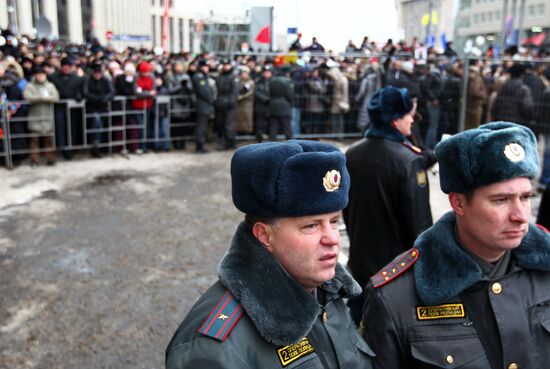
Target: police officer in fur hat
pixel 278 299
pixel 389 197
pixel 474 290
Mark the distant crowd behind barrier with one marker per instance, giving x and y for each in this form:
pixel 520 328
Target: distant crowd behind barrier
pixel 105 101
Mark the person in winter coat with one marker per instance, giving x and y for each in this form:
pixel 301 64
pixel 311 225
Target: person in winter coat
pixel 339 97
pixel 278 301
pixel 98 92
pixel 389 196
pixel 69 86
pixel 125 85
pixel 514 103
pixel 370 83
pixel 205 99
pixel 262 98
pixel 476 96
pixel 431 86
pixel 12 85
pixel 226 103
pixel 280 105
pixel 41 94
pixel 244 115
pixel 145 92
pixel 316 90
pixel 181 88
pixel 473 291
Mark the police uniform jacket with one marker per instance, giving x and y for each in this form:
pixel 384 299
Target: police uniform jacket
pixel 282 95
pixel 204 94
pixel 388 201
pixel 262 97
pixel 228 91
pixel 257 316
pixel 435 307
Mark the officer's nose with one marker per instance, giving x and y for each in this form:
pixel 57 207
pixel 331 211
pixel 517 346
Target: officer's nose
pixel 520 212
pixel 331 235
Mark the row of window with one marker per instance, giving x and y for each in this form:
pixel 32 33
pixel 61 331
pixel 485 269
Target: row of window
pixel 533 11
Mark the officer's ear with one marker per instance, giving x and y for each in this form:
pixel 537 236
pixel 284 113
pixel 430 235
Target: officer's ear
pixel 457 201
pixel 263 232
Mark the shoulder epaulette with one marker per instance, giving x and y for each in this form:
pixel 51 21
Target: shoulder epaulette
pixel 398 265
pixel 225 316
pixel 410 146
pixel 543 228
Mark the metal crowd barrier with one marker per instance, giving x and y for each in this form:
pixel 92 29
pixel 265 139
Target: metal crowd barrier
pixel 125 128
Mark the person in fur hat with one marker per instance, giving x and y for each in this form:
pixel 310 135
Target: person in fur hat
pixel 278 301
pixel 473 292
pixel 389 197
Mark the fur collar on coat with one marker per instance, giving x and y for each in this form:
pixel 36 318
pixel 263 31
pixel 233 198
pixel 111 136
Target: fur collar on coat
pixel 444 270
pixel 281 310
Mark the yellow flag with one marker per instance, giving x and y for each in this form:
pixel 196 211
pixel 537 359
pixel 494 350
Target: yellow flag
pixel 435 18
pixel 425 19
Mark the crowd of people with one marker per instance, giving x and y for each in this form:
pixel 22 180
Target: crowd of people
pixel 469 291
pixel 308 92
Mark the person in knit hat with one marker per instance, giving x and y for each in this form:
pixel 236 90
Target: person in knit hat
pixel 473 291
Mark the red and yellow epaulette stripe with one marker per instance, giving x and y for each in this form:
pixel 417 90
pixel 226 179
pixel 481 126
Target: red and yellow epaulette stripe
pixel 398 265
pixel 415 149
pixel 225 316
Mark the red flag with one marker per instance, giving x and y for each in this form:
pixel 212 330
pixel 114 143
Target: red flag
pixel 536 40
pixel 264 36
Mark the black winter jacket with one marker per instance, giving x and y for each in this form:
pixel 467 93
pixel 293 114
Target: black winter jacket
pixel 69 85
pixel 388 203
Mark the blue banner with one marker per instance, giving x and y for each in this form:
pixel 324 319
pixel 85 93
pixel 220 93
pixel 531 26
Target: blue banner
pixel 137 38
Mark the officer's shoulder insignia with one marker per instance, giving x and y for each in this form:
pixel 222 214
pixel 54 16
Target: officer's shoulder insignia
pixel 290 353
pixel 225 316
pixel 398 265
pixel 410 146
pixel 543 228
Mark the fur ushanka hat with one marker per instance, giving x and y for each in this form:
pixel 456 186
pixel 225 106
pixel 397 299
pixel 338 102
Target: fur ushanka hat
pixel 491 153
pixel 288 179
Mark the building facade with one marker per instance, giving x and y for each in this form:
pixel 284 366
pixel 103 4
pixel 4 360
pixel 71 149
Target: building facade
pixel 137 23
pixel 503 22
pixel 429 21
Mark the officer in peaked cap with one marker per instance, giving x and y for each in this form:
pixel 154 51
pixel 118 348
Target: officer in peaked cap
pixel 474 290
pixel 278 299
pixel 389 197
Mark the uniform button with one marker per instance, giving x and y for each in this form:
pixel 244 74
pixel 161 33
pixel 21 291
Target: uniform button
pixel 496 287
pixel 513 366
pixel 449 359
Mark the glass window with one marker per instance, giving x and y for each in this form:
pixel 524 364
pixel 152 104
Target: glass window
pixel 476 18
pixel 540 11
pixel 171 24
pixel 154 30
pixel 180 31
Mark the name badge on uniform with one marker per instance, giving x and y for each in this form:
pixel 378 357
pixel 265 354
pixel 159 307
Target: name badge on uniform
pixel 291 353
pixel 446 311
